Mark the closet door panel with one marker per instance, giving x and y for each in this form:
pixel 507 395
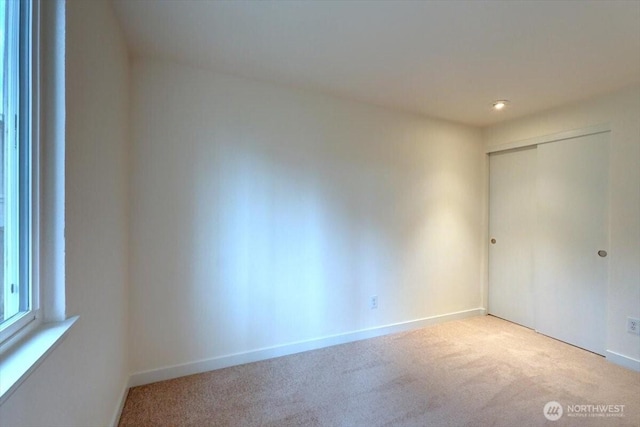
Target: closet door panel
pixel 512 204
pixel 572 227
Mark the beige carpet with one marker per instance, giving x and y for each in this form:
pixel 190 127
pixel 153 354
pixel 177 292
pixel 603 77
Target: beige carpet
pixel 482 371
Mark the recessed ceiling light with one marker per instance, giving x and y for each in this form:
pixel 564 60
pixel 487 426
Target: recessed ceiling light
pixel 499 105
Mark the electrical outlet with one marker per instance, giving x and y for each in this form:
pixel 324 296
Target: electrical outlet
pixel 633 325
pixel 373 302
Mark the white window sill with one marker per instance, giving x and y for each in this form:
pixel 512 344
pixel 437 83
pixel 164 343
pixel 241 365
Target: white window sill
pixel 18 362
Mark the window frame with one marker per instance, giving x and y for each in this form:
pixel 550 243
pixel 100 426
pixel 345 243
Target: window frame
pixel 28 176
pixel 45 329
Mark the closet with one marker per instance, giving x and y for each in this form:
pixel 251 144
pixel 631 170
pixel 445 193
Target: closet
pixel 548 231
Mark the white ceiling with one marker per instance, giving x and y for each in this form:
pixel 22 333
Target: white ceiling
pixel 447 59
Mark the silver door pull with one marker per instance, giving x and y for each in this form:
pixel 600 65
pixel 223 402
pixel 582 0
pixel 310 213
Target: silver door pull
pixel 602 253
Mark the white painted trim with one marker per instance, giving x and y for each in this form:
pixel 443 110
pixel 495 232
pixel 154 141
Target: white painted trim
pixel 170 372
pixel 624 361
pixel 52 157
pixel 115 420
pixel 544 139
pixel 17 363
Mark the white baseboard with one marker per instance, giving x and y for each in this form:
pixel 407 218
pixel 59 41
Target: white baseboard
pixel 118 412
pixel 622 360
pixel 170 372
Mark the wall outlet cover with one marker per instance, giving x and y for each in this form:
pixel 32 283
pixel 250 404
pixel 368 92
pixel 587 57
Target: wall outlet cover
pixel 373 302
pixel 633 325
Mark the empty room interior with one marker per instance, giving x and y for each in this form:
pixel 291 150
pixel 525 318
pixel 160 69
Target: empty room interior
pixel 353 213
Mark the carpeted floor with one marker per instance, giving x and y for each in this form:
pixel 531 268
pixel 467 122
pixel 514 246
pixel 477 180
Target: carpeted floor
pixel 481 371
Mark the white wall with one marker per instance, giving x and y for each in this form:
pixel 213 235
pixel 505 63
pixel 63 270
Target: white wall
pixel 621 111
pixel 81 382
pixel 263 215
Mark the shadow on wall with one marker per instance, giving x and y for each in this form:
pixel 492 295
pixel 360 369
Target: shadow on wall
pixel 278 245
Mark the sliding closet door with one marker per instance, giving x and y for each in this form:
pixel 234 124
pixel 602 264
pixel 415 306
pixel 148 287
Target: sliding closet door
pixel 512 207
pixel 570 273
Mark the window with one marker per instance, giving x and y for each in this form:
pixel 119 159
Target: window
pixel 32 109
pixel 17 302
